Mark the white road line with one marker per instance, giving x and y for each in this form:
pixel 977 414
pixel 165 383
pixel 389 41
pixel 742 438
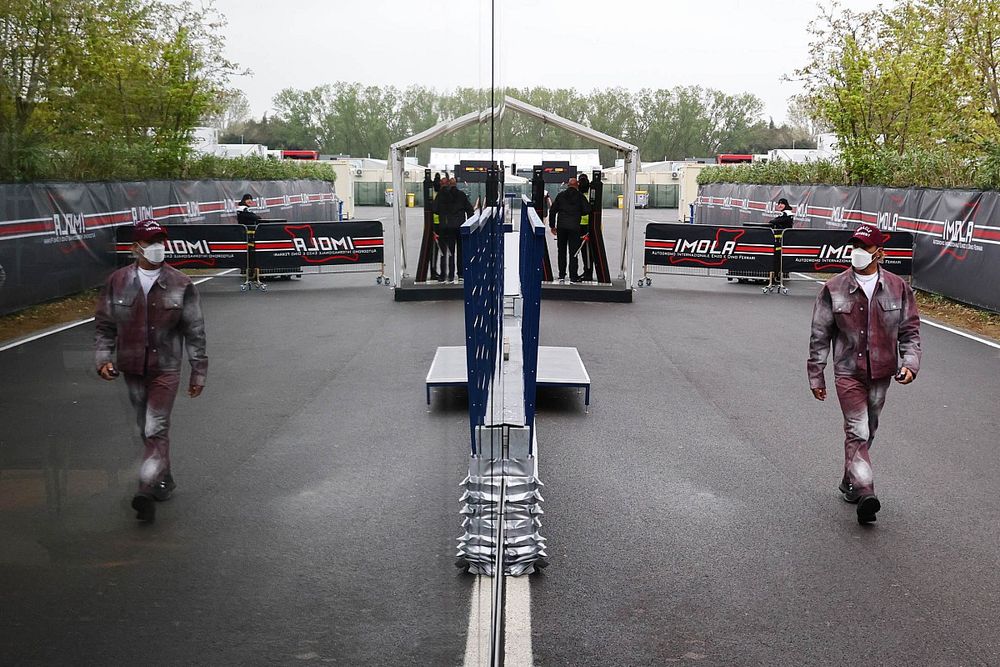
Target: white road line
pixel 63 327
pixel 961 333
pixel 517 638
pixel 477 641
pixel 517 633
pixel 932 323
pixel 48 332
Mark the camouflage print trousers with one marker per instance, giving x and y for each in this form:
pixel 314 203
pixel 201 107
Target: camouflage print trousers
pixel 152 397
pixel 861 402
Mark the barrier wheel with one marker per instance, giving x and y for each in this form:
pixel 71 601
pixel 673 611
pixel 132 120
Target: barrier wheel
pixel 649 281
pixel 378 280
pixel 243 287
pixel 263 288
pixel 764 290
pixel 784 290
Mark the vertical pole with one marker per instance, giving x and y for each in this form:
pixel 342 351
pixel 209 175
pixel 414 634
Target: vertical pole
pixel 427 246
pixel 538 202
pixel 627 270
pixel 399 214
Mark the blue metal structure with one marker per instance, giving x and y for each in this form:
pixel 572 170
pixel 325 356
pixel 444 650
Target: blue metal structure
pixel 532 248
pixel 482 258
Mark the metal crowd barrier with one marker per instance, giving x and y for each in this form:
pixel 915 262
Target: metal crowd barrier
pixel 272 249
pixel 806 252
pixel 532 237
pixel 482 254
pixel 283 250
pixel 757 253
pixel 734 253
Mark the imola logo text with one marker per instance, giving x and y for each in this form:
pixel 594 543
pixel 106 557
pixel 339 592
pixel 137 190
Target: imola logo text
pixel 69 224
pixel 887 221
pixel 706 247
pixel 958 231
pixel 142 213
pixel 835 252
pixel 323 244
pixel 182 247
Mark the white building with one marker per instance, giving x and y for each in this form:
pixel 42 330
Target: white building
pixel 585 160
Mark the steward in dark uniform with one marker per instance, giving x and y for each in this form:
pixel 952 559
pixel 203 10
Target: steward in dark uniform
pixel 564 221
pixel 457 209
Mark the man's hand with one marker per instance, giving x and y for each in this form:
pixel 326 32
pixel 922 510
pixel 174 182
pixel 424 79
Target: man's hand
pixel 107 371
pixel 904 376
pixel 553 230
pixel 819 393
pixel 194 390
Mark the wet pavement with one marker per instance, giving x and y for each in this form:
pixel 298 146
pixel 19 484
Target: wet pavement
pixel 691 516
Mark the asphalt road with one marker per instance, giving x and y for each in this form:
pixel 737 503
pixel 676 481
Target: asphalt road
pixel 691 516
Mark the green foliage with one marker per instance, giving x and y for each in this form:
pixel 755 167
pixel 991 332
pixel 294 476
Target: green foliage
pixel 912 91
pixel 917 167
pixel 101 89
pixel 351 119
pixel 255 168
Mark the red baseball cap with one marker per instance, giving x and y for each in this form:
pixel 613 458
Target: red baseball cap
pixel 869 235
pixel 148 230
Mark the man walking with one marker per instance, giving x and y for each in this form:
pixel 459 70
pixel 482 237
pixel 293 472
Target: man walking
pixel 458 209
pixel 870 316
pixel 564 221
pixel 145 314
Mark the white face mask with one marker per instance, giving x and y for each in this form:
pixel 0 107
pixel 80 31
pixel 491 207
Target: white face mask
pixel 154 253
pixel 860 259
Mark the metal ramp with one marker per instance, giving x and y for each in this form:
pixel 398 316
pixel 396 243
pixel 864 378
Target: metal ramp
pixel 557 367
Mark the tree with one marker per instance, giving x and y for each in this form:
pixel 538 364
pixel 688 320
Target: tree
pixel 34 37
pixel 892 80
pixel 231 109
pixel 105 86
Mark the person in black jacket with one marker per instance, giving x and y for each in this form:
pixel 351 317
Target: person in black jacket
pixel 779 224
pixel 441 208
pixel 784 219
pixel 564 221
pixel 248 218
pixel 244 215
pixel 458 208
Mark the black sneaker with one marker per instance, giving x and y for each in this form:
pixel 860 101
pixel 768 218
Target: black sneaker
pixel 164 489
pixel 145 507
pixel 868 507
pixel 850 495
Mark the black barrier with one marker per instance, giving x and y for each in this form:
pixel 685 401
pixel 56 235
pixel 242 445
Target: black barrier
pixel 595 256
pixel 707 249
pixel 291 246
pixel 956 249
pixel 59 238
pixel 829 251
pixel 194 246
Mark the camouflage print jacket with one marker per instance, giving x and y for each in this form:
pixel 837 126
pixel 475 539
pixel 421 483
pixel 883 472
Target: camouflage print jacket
pixel 880 339
pixel 148 332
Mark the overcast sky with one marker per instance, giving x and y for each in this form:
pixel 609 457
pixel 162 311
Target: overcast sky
pixel 732 45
